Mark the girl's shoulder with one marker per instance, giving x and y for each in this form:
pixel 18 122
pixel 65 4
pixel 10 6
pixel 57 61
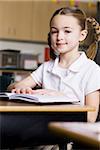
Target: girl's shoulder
pixel 92 68
pixel 48 63
pixel 93 64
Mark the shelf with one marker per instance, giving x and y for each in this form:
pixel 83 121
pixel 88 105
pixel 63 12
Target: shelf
pixel 3 69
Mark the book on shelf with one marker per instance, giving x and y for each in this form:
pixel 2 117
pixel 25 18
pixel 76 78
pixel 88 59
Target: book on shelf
pixel 37 98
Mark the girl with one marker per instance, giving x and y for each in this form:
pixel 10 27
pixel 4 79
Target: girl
pixel 69 72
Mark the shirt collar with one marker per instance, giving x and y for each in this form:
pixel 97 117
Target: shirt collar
pixel 52 68
pixel 75 67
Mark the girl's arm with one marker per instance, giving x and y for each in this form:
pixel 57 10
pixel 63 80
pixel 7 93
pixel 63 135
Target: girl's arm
pixel 93 99
pixel 24 86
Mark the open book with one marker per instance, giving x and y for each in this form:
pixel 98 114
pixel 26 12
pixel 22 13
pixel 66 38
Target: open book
pixel 37 98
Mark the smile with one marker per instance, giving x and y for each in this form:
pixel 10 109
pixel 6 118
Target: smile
pixel 60 44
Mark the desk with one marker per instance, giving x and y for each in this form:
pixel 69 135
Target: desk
pixel 10 106
pixel 27 124
pixel 86 133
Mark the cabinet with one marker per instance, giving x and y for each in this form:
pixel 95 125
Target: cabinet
pixel 26 20
pixel 29 20
pixel 15 20
pixel 42 12
pixel 40 21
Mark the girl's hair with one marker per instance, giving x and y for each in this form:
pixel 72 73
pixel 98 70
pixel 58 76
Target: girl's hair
pixel 83 22
pixel 92 50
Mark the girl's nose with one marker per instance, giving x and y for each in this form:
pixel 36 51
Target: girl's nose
pixel 60 35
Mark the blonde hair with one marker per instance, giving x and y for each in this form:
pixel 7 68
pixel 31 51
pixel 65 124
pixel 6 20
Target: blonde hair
pixel 92 50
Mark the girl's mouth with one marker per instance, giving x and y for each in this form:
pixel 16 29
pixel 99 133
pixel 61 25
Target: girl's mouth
pixel 60 43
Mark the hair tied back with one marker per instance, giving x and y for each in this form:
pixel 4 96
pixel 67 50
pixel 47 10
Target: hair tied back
pixel 92 50
pixel 95 26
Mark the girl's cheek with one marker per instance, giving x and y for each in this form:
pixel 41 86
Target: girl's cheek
pixel 52 40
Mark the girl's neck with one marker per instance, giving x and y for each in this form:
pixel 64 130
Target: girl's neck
pixel 67 59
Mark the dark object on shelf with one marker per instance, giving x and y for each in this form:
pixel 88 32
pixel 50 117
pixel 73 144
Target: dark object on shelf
pixel 9 58
pixel 5 80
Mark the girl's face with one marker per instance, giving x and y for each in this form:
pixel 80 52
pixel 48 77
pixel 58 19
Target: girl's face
pixel 65 33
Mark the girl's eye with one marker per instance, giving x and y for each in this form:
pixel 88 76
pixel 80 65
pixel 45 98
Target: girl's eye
pixel 67 31
pixel 53 32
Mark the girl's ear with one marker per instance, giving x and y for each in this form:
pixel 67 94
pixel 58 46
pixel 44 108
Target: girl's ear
pixel 83 35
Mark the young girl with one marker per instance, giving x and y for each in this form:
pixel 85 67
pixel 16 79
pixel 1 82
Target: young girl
pixel 69 72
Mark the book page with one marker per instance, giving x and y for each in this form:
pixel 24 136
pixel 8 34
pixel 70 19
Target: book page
pixel 39 98
pixel 3 94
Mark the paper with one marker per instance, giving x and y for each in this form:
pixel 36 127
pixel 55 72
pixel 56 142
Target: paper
pixel 38 98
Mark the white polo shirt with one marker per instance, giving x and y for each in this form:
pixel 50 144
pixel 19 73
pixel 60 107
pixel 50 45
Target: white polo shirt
pixel 80 79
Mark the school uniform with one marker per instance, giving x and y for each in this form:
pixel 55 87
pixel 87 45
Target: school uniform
pixel 77 81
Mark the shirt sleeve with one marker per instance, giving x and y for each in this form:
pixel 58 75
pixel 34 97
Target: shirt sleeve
pixel 93 82
pixel 37 75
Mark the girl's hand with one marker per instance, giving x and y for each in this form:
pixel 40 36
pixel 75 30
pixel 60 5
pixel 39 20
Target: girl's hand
pixel 26 90
pixel 29 90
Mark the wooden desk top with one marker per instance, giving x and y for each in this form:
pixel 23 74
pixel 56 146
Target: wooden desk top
pixel 88 133
pixel 9 106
